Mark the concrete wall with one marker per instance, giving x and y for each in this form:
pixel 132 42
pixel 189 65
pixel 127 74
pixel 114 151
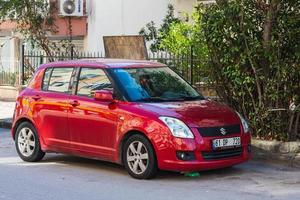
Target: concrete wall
pixel 120 17
pixel 9 59
pixel 5 53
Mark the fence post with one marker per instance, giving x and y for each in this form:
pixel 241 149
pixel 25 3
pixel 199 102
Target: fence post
pixel 72 52
pixel 41 58
pixel 191 66
pixel 23 64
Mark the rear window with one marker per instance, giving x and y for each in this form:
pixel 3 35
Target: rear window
pixel 46 78
pixel 59 80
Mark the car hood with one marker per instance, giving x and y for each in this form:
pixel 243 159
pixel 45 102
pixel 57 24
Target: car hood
pixel 202 113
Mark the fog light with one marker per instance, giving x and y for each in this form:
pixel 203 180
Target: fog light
pixel 249 148
pixel 185 155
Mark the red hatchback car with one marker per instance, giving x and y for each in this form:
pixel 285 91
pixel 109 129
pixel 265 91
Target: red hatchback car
pixel 139 114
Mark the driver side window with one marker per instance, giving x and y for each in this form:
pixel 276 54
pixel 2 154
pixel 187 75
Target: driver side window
pixel 92 79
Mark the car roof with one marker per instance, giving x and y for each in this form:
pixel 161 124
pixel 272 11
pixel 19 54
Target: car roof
pixel 104 63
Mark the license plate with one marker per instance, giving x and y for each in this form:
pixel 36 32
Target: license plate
pixel 226 142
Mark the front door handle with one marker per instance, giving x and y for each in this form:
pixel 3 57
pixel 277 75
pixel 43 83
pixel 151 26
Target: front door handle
pixel 74 103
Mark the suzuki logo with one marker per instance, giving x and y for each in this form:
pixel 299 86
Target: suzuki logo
pixel 223 131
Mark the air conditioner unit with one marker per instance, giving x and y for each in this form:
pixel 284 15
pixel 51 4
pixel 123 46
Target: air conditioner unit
pixel 71 8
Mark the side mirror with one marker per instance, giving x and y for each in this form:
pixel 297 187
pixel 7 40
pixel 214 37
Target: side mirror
pixel 103 95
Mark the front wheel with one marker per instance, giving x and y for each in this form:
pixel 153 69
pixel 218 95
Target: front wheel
pixel 139 157
pixel 27 143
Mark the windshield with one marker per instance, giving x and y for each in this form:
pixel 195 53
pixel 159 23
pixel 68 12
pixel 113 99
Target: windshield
pixel 154 84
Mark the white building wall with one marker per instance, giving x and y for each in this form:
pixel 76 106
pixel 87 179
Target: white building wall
pixel 120 17
pixel 183 7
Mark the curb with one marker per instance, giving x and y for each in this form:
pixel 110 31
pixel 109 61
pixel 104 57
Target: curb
pixel 276 151
pixel 6 123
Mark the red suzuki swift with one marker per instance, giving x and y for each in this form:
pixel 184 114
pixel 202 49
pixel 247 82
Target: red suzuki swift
pixel 139 114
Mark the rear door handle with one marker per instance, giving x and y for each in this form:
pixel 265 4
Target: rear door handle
pixel 36 97
pixel 74 103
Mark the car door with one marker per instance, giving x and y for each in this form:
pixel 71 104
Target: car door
pixel 50 109
pixel 92 124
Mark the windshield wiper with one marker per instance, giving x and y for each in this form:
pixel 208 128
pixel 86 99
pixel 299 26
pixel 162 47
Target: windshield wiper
pixel 190 98
pixel 181 98
pixel 152 99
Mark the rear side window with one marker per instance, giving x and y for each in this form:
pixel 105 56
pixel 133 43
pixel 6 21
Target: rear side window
pixel 92 79
pixel 46 78
pixel 60 79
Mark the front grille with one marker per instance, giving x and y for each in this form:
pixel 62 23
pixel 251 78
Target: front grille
pixel 221 154
pixel 219 130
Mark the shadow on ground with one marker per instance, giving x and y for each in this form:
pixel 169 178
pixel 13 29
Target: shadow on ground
pixel 6 123
pixel 115 168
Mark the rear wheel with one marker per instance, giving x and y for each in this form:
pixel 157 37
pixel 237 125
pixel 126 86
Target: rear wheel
pixel 27 143
pixel 139 157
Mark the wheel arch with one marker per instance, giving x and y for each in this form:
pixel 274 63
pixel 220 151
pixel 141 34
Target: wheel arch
pixel 17 124
pixel 125 137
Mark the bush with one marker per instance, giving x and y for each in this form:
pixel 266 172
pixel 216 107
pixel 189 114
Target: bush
pixel 254 50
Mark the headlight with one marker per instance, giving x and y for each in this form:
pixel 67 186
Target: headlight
pixel 244 123
pixel 177 127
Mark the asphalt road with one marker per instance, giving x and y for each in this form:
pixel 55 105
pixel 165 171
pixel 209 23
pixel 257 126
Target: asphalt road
pixel 65 177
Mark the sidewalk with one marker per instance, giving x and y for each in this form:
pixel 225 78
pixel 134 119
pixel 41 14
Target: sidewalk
pixel 6 113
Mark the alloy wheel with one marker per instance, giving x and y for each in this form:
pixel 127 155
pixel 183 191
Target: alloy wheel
pixel 137 157
pixel 26 142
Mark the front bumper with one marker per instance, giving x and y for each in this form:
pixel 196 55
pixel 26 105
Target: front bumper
pixel 167 159
pixel 199 165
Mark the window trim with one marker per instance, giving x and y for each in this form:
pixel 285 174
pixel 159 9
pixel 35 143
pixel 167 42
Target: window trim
pixel 72 74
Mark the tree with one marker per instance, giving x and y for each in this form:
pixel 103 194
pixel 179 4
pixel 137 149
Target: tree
pixel 182 36
pixel 185 39
pixel 155 35
pixel 34 19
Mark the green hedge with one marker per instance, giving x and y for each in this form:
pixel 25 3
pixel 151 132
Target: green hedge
pixel 254 51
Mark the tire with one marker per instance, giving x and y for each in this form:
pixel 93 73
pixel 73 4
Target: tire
pixel 137 164
pixel 27 143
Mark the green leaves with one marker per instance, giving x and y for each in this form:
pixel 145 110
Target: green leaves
pixel 252 77
pixel 184 35
pixel 178 39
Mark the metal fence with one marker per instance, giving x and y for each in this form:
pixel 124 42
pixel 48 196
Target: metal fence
pixel 8 78
pixel 185 65
pixel 31 60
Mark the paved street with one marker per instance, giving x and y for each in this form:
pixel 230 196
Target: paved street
pixel 66 177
